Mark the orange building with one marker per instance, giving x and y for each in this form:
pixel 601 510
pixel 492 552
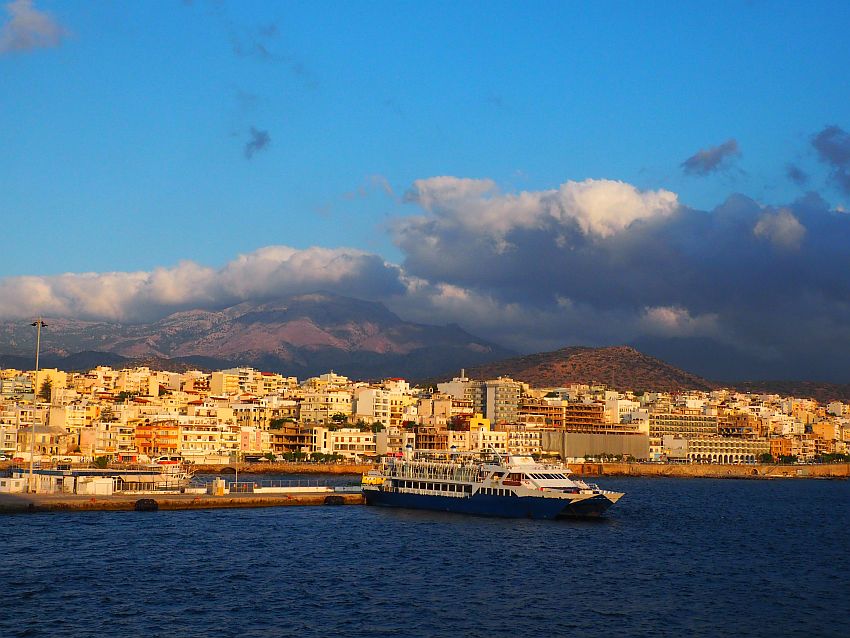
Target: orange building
pixel 160 438
pixel 551 411
pixel 780 447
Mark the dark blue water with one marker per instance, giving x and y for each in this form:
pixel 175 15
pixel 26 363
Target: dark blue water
pixel 674 558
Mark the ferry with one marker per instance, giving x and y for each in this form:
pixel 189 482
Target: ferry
pixel 485 483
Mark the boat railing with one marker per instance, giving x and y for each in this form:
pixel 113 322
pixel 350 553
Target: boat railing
pixel 431 470
pixel 424 492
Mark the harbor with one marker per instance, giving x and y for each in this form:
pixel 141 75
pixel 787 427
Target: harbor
pixel 175 487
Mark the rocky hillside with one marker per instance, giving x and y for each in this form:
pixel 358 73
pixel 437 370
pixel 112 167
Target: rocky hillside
pixel 619 367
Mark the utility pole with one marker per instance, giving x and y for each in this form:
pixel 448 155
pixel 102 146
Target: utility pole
pixel 38 324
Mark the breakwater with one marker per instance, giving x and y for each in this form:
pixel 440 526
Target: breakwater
pixel 284 468
pixel 14 503
pixel 694 470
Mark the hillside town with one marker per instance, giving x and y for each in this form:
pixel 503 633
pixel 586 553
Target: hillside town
pixel 242 414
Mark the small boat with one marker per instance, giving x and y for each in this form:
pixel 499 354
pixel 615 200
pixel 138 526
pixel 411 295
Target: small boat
pixel 485 483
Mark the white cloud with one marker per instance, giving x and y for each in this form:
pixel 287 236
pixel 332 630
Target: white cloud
pixel 605 207
pixel 28 28
pixel 600 208
pixel 269 272
pixel 675 321
pixel 434 192
pixel 782 229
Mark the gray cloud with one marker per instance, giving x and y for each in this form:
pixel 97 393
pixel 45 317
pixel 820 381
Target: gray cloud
pixel 28 28
pixel 258 142
pixel 712 159
pixel 262 43
pixel 796 174
pixel 833 147
pixel 767 284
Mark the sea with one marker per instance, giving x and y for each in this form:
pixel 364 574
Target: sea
pixel 675 557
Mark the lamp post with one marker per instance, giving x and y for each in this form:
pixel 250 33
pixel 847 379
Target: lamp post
pixel 38 324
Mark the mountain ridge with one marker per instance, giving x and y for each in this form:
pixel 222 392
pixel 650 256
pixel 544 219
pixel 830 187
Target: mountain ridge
pixel 301 335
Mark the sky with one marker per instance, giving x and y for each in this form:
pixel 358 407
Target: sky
pixel 670 175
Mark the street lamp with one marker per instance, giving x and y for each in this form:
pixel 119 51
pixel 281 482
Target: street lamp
pixel 38 324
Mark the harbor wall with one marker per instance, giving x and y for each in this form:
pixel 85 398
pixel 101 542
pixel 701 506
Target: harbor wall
pixel 284 468
pixel 21 503
pixel 696 470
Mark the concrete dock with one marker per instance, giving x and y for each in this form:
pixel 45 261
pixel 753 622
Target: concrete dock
pixel 21 503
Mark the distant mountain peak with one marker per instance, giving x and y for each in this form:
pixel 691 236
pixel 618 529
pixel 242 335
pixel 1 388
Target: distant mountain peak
pixel 301 334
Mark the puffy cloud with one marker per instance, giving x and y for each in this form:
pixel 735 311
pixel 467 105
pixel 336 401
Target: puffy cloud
pixel 259 141
pixel 28 28
pixel 833 147
pixel 596 208
pixel 605 207
pixel 270 272
pixel 712 159
pixel 781 228
pixel 553 268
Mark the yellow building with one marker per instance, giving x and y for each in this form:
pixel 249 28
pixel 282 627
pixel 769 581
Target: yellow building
pixel 478 422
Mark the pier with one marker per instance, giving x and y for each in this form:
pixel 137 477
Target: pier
pixel 21 503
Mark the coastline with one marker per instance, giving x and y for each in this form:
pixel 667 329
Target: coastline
pixel 693 470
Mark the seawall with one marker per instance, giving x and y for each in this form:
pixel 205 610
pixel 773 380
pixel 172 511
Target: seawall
pixel 19 503
pixel 695 470
pixel 284 468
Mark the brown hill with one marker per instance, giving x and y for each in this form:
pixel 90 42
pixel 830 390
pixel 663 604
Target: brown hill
pixel 619 367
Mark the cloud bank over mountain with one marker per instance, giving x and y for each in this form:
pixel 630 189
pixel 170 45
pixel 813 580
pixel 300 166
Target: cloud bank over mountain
pixel 594 262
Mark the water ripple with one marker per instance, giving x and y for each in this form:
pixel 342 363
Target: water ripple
pixel 702 558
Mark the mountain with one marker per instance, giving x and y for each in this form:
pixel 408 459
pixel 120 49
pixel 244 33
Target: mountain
pixel 625 368
pixel 301 335
pixel 620 367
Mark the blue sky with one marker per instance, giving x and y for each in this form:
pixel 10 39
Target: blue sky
pixel 124 129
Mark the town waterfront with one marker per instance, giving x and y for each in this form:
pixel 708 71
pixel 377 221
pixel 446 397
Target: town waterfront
pixel 705 558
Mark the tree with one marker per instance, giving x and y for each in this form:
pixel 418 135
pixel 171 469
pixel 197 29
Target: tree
pixel 101 462
pixel 458 423
pixel 46 389
pixel 339 418
pixel 765 457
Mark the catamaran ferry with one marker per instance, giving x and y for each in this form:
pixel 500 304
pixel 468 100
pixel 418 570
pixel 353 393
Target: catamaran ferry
pixel 486 484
